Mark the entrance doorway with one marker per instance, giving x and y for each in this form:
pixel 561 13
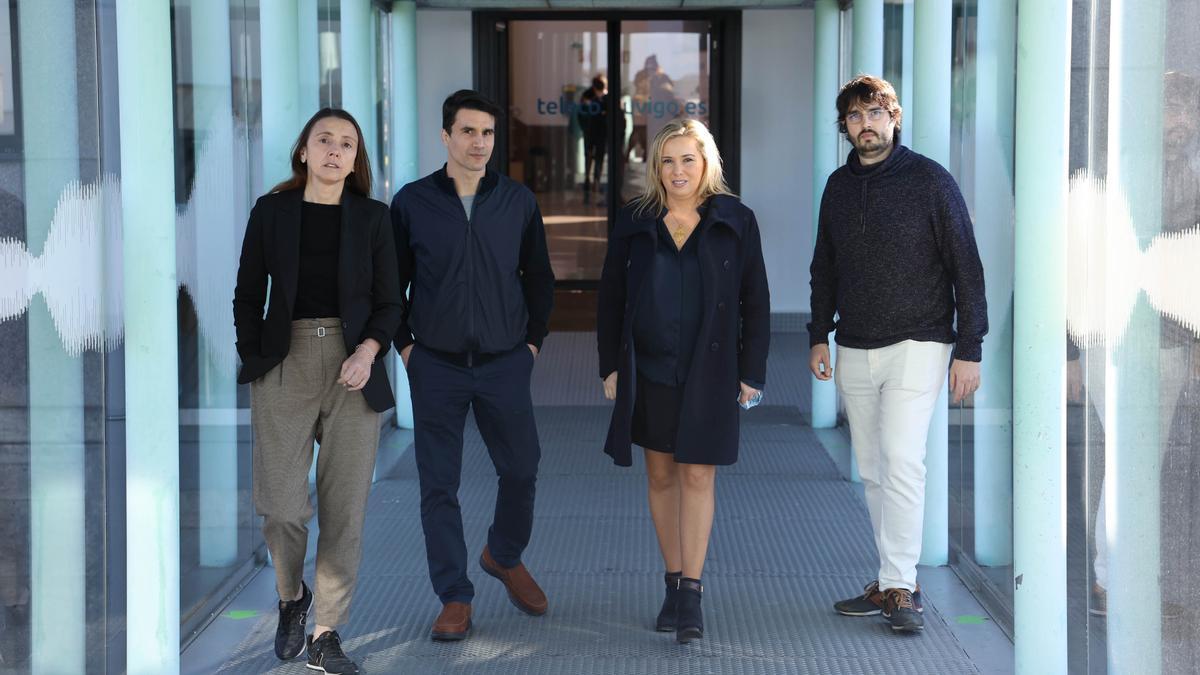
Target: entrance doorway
pixel 585 93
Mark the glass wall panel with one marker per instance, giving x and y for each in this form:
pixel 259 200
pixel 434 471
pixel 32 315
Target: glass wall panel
pixel 56 324
pixel 329 30
pixel 216 178
pixel 1134 335
pixel 62 514
pixel 981 159
pixel 982 144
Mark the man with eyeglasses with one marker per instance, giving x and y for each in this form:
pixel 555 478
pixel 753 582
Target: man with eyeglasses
pixel 896 262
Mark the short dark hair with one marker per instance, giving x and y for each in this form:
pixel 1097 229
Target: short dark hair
pixel 868 89
pixel 469 99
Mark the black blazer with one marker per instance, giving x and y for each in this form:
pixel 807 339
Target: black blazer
pixel 368 285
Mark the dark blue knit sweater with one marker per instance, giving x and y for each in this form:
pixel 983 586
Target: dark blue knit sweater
pixel 895 258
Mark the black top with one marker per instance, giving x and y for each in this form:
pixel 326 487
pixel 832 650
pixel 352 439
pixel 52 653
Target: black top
pixel 668 316
pixel 895 258
pixel 320 243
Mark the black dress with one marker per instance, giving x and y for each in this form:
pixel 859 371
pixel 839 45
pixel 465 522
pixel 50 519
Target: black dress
pixel 664 333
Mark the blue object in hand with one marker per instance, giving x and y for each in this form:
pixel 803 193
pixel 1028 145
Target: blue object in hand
pixel 754 400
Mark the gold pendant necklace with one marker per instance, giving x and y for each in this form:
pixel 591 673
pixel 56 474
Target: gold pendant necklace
pixel 678 234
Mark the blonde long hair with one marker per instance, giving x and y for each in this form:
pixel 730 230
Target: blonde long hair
pixel 654 195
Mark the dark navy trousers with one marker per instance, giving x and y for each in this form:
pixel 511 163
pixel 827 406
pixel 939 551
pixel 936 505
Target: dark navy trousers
pixel 443 388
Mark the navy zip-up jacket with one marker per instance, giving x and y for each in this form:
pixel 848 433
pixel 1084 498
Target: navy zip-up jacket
pixel 895 258
pixel 481 284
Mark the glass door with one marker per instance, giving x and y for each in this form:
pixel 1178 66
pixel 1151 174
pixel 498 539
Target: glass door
pixel 585 93
pixel 558 131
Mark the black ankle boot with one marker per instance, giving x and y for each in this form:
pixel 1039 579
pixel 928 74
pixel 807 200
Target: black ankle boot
pixel 690 622
pixel 665 622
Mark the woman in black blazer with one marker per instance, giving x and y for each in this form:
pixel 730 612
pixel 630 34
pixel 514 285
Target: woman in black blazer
pixel 683 328
pixel 318 256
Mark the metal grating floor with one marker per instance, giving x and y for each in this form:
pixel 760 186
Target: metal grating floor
pixel 790 537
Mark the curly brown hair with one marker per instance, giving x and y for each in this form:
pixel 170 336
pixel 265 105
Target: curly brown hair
pixel 867 89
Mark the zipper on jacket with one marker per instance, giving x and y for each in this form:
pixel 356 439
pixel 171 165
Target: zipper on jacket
pixel 472 340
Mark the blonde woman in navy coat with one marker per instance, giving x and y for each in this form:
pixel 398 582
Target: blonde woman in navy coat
pixel 684 272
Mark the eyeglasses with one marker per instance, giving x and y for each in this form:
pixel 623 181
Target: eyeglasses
pixel 874 114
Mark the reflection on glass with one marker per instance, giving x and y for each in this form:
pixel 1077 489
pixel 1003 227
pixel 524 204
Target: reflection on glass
pixel 664 77
pixel 981 159
pixel 1133 369
pixel 558 135
pixel 52 327
pixel 215 172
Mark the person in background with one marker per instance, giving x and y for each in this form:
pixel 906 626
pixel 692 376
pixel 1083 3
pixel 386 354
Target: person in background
pixel 593 122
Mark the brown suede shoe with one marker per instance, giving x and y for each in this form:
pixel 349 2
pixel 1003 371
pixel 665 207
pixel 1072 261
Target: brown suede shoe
pixel 453 623
pixel 523 591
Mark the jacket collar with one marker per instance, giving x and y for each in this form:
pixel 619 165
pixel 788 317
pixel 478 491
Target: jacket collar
pixel 443 180
pixel 894 162
pixel 716 210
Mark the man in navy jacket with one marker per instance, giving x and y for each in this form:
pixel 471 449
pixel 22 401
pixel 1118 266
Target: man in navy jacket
pixel 895 259
pixel 472 252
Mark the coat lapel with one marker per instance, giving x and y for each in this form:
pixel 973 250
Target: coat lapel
pixel 287 234
pixel 349 250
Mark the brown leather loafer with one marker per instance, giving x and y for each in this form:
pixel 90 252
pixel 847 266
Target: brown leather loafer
pixel 453 623
pixel 523 591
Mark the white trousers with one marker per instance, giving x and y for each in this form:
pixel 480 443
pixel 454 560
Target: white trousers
pixel 889 395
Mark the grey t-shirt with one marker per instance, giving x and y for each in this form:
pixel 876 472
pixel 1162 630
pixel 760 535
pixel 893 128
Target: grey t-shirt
pixel 468 202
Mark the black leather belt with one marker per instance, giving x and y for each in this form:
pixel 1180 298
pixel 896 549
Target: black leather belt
pixel 464 359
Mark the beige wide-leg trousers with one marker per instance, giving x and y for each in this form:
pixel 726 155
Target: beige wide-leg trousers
pixel 296 403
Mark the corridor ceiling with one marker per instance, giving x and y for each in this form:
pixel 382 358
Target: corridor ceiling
pixel 609 4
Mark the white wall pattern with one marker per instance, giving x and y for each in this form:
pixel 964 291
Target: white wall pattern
pixel 209 233
pixel 79 272
pixel 1107 268
pixel 79 263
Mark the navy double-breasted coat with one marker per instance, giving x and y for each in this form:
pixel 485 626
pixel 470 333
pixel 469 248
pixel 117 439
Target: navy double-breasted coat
pixel 734 331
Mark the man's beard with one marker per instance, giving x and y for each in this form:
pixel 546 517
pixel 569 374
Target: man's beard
pixel 876 143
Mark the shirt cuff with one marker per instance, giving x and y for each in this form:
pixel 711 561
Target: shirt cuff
pixel 968 351
pixel 535 341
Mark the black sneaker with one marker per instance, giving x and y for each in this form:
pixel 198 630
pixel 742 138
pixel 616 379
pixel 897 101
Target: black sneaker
pixel 870 602
pixel 899 610
pixel 325 655
pixel 289 634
